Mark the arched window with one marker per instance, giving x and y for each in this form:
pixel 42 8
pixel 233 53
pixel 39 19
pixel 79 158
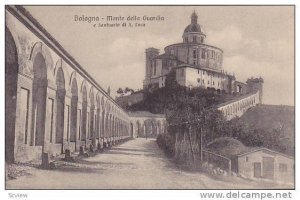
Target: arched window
pixel 194 38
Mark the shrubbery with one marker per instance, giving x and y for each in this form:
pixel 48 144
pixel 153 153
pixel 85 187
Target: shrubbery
pixel 166 143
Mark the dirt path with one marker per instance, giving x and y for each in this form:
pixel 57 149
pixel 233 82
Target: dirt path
pixel 137 164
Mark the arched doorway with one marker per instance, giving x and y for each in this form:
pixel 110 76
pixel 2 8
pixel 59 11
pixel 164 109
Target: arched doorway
pixel 153 128
pixel 84 114
pixel 92 110
pixel 106 126
pixel 110 126
pixel 131 130
pixel 103 125
pixel 150 128
pixel 74 104
pixel 39 95
pixel 138 129
pixel 60 105
pixel 158 128
pixel 98 120
pixel 11 80
pixel 144 130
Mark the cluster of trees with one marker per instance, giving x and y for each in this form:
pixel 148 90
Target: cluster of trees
pixel 250 134
pixel 125 91
pixel 162 99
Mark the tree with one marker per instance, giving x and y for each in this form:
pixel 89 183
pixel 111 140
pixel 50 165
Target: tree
pixel 188 113
pixel 120 91
pixel 127 89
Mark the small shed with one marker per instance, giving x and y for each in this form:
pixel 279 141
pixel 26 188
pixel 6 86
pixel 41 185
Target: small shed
pixel 263 163
pixel 253 162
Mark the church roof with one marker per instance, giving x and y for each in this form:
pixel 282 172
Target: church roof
pixel 194 26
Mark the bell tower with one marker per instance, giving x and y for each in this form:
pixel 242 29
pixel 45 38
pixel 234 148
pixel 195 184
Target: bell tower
pixel 151 53
pixel 256 84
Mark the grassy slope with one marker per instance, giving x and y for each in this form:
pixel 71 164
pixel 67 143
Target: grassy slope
pixel 273 117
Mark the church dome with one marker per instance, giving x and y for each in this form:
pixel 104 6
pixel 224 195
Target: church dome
pixel 194 32
pixel 194 27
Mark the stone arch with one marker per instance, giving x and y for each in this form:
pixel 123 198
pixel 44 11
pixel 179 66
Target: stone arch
pixel 58 65
pixel 165 126
pixel 131 130
pixel 113 126
pixel 72 77
pixel 159 127
pixel 83 86
pixel 110 124
pixel 153 128
pixel 117 127
pixel 84 113
pixel 60 105
pixel 103 124
pixel 108 107
pixel 102 103
pixel 144 129
pixel 92 113
pixel 106 124
pixel 11 80
pixel 74 105
pixel 98 117
pixel 40 48
pixel 39 96
pixel 91 96
pixel 138 128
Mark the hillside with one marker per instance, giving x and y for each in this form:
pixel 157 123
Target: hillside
pixel 158 100
pixel 270 126
pixel 272 117
pixel 275 124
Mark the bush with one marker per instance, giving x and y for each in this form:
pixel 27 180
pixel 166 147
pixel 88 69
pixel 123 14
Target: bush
pixel 166 143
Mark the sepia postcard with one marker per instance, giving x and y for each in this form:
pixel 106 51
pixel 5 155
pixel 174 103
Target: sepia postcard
pixel 149 97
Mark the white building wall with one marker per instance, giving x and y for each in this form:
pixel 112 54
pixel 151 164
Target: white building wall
pixel 191 77
pixel 246 165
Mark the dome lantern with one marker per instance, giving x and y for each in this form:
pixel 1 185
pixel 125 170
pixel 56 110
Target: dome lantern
pixel 194 18
pixel 194 32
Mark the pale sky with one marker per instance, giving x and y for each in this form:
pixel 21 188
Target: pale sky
pixel 256 40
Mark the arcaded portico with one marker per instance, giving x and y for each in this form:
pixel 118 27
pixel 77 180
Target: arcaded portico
pixel 52 103
pixel 146 124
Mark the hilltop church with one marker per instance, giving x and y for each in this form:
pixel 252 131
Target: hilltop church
pixel 196 63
